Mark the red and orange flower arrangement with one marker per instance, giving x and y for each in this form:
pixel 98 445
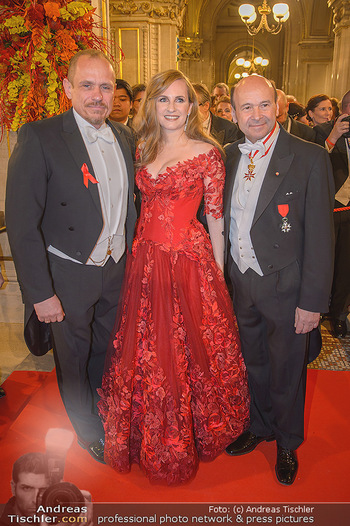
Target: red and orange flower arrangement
pixel 37 40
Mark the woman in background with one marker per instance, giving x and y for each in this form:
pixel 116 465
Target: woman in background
pixel 319 109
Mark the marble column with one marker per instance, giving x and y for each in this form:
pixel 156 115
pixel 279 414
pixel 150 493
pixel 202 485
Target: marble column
pixel 102 20
pixel 190 57
pixel 340 78
pixel 146 34
pixel 11 308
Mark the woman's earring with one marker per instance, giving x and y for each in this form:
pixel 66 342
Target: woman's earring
pixel 186 121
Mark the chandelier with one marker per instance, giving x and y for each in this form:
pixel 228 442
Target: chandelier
pixel 248 16
pixel 250 66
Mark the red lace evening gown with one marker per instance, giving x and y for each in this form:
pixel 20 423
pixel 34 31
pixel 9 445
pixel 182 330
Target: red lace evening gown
pixel 176 389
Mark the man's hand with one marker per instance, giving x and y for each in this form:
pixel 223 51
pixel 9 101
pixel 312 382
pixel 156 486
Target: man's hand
pixel 49 310
pixel 339 128
pixel 305 320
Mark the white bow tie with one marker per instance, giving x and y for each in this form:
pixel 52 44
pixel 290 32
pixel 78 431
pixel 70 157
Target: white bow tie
pixel 247 148
pixel 106 134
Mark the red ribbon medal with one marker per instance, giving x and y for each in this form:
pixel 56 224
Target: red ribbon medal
pixel 87 175
pixel 283 211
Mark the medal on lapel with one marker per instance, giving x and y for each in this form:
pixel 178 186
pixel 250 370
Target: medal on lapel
pixel 283 211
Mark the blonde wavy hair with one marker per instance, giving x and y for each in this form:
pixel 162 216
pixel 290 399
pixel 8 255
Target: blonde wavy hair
pixel 146 124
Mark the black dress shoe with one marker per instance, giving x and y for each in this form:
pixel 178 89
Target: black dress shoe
pixel 339 328
pixel 286 466
pixel 2 392
pixel 95 449
pixel 246 442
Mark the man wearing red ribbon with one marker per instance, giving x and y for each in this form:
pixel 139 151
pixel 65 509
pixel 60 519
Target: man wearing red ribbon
pixel 70 216
pixel 279 246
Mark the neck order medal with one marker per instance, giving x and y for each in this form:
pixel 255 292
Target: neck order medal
pixel 251 167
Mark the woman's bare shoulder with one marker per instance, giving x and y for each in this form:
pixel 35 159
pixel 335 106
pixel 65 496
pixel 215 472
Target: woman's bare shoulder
pixel 200 147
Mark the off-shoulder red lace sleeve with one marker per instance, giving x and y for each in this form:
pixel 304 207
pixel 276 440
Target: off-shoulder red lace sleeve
pixel 214 180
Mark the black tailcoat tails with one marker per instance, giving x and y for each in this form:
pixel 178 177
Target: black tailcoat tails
pixel 297 270
pixel 47 203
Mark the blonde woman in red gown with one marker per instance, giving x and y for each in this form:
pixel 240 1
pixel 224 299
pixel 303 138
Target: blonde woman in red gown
pixel 175 389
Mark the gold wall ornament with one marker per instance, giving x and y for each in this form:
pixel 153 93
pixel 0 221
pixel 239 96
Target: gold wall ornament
pixel 166 9
pixel 190 48
pixel 341 14
pixel 126 7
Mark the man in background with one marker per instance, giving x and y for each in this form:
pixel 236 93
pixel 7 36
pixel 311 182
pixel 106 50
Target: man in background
pixel 222 130
pixel 138 94
pixel 122 103
pixel 335 137
pixel 290 125
pixel 220 90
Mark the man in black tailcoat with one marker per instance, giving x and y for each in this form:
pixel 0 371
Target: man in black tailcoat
pixel 335 136
pixel 70 216
pixel 279 249
pixel 222 130
pixel 291 125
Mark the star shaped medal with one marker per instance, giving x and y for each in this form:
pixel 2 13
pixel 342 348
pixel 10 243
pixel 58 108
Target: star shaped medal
pixel 251 167
pixel 283 211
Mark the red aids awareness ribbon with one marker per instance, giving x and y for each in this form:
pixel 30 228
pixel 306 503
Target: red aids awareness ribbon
pixel 87 175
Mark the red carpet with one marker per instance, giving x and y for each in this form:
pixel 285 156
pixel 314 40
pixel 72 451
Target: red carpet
pixel 33 405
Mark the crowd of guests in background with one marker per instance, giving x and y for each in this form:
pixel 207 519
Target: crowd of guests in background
pixel 320 109
pixel 319 121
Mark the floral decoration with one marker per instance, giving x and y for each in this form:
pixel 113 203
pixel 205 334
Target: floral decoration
pixel 37 40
